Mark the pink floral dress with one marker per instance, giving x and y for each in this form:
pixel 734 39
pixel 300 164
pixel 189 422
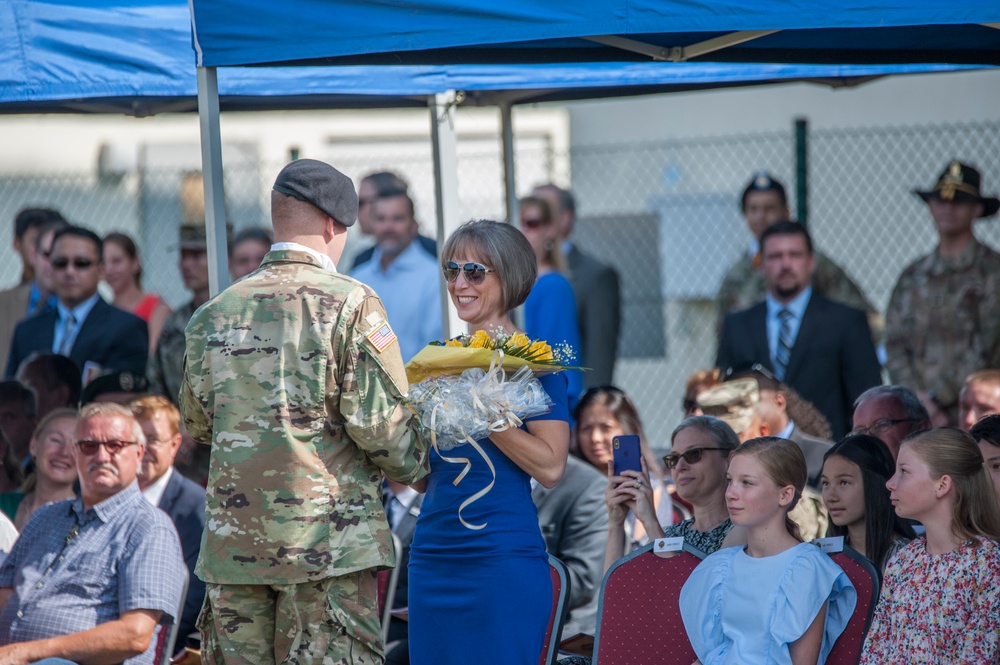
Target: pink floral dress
pixel 938 608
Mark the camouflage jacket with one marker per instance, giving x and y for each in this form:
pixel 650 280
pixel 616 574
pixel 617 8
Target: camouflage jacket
pixel 743 287
pixel 303 413
pixel 943 322
pixel 166 365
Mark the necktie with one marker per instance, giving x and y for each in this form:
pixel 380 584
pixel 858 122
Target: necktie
pixel 784 349
pixel 69 327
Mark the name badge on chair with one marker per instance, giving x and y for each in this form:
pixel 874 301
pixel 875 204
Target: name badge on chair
pixel 830 545
pixel 668 545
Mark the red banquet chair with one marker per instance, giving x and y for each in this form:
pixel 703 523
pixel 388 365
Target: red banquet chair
pixel 638 615
pixel 847 649
pixel 560 592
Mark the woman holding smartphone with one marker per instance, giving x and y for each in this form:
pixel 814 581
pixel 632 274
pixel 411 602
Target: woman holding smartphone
pixel 602 414
pixel 699 454
pixel 777 600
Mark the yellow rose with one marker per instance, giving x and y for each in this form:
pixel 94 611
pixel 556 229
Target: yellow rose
pixel 540 351
pixel 481 340
pixel 518 340
pixel 454 342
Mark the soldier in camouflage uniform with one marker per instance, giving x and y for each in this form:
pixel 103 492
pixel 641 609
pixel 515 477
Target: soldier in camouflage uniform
pixel 166 365
pixel 295 380
pixel 764 202
pixel 943 321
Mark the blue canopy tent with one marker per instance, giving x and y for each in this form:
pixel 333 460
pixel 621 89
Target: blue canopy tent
pixel 134 57
pixel 241 32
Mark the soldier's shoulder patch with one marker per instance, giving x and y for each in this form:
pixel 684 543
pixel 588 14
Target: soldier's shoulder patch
pixel 381 336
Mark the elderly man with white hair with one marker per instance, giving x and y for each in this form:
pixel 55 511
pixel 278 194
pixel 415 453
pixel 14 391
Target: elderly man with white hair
pixel 91 578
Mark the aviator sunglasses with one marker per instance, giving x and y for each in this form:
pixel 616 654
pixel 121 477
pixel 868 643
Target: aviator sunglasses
pixel 474 273
pixel 692 456
pixel 80 264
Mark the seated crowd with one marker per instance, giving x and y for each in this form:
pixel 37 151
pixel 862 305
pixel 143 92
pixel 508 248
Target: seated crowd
pixel 792 437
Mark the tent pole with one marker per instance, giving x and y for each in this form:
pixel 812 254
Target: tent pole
pixel 509 184
pixel 211 169
pixel 507 145
pixel 445 150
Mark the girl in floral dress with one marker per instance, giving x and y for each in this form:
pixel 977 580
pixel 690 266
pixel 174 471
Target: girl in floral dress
pixel 940 601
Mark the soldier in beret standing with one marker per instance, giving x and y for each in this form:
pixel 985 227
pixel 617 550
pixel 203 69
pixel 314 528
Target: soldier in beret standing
pixel 293 376
pixel 942 321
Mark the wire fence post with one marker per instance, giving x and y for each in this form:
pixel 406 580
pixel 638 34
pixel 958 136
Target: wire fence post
pixel 802 170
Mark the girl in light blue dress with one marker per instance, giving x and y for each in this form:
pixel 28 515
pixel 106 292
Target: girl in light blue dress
pixel 776 600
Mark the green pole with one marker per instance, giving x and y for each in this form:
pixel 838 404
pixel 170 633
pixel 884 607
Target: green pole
pixel 802 170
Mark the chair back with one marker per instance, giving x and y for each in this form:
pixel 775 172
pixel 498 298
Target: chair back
pixel 386 581
pixel 638 615
pixel 166 634
pixel 847 649
pixel 560 594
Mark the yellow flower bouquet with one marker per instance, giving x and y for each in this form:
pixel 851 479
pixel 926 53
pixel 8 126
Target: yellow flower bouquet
pixel 467 387
pixel 460 391
pixel 478 350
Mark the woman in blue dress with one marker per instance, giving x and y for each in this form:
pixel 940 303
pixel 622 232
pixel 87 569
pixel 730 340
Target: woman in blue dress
pixel 777 600
pixel 550 309
pixel 479 584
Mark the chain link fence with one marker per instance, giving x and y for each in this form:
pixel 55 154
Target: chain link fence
pixel 665 214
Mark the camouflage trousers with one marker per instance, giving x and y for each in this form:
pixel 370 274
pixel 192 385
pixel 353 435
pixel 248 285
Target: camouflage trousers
pixel 330 622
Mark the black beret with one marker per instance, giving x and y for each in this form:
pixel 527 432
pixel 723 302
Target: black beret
pixel 114 382
pixel 320 184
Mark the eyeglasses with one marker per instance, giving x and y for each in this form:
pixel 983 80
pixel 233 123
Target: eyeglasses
pixel 114 446
pixel 474 273
pixel 882 425
pixel 532 222
pixel 80 264
pixel 692 456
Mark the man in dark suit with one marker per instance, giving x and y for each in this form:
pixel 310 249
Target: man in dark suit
pixel 95 335
pixel 820 348
pixel 178 497
pixel 773 409
pixel 574 522
pixel 598 295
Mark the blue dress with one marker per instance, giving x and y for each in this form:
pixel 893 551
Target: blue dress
pixel 481 596
pixel 741 609
pixel 550 314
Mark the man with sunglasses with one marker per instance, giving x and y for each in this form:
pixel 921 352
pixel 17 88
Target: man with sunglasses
pixel 92 579
pixel 403 274
pixel 95 335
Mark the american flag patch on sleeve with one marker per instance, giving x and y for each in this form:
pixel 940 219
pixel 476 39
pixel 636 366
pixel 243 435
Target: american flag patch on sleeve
pixel 381 337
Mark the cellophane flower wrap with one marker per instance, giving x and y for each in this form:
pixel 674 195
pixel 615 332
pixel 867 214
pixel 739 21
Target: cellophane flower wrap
pixel 465 388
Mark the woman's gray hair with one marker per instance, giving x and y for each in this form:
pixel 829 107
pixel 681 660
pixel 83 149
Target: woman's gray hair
pixel 722 434
pixel 503 248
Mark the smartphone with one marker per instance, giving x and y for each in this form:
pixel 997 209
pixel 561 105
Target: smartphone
pixel 627 453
